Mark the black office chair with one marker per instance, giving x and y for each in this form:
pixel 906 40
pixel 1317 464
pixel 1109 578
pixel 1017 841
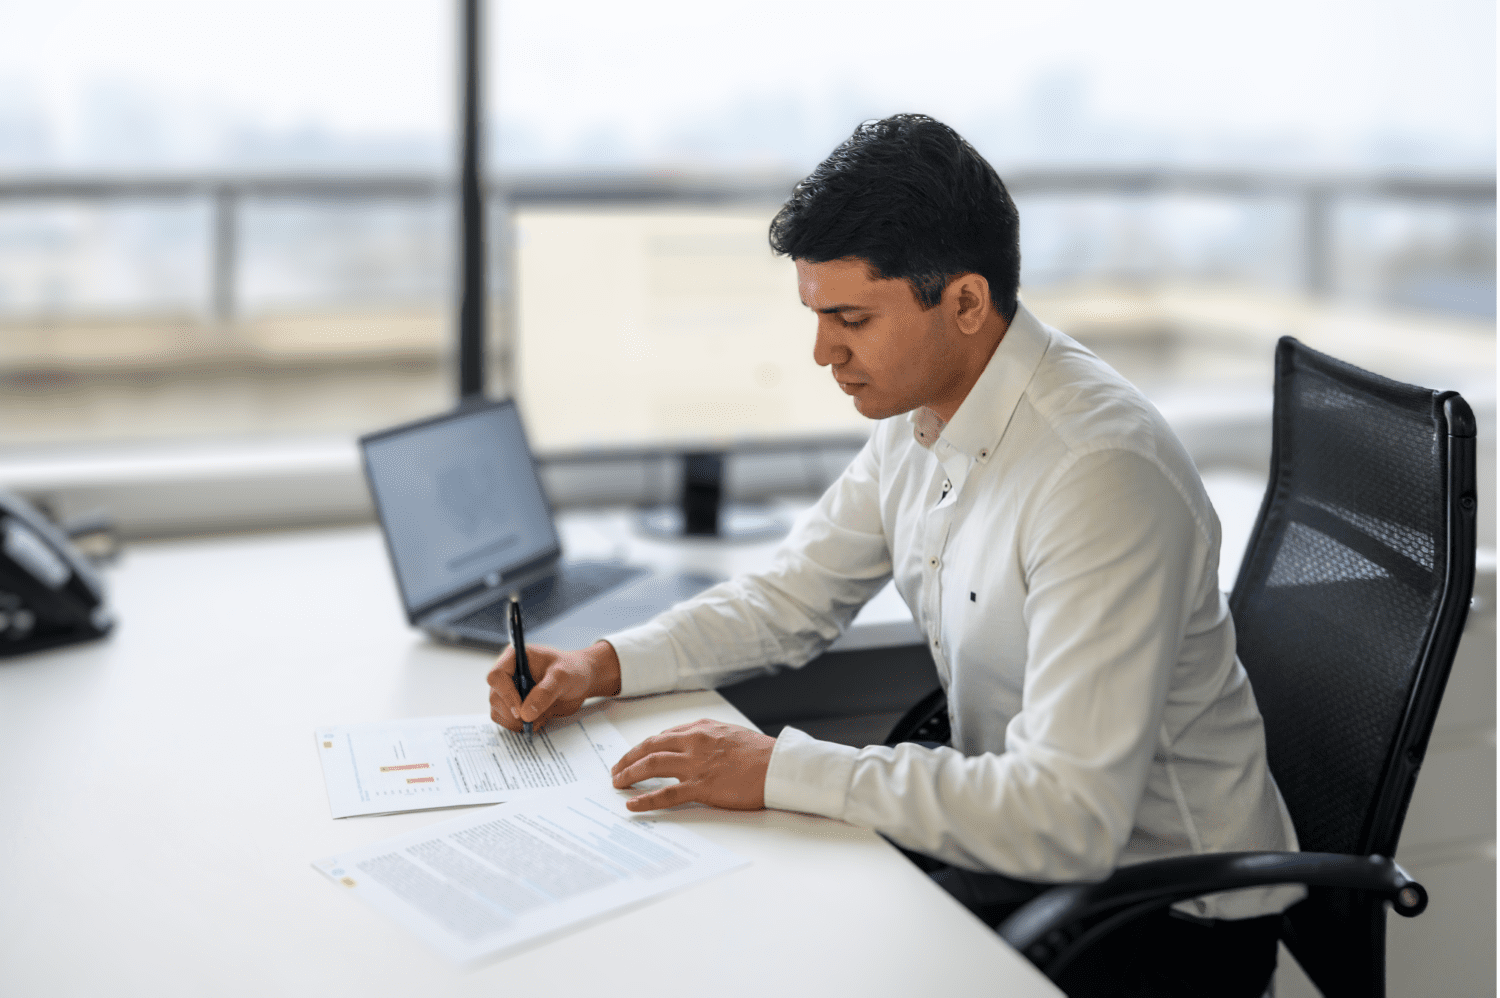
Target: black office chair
pixel 1348 609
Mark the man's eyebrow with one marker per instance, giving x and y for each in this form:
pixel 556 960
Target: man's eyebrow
pixel 836 309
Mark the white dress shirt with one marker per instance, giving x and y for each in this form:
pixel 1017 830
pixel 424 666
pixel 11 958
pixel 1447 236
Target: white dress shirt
pixel 1056 547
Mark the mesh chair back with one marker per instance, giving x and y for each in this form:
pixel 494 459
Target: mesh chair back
pixel 1348 609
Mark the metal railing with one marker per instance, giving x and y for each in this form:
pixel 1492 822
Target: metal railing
pixel 1316 195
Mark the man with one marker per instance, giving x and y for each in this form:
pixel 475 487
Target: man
pixel 1056 547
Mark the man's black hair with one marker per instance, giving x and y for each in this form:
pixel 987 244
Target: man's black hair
pixel 908 195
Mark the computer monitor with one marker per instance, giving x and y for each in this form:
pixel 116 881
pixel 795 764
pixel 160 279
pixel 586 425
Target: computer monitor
pixel 654 329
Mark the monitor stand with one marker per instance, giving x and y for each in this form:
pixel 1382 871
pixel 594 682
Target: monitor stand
pixel 702 511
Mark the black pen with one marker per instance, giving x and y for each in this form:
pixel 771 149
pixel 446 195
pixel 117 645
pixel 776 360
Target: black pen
pixel 522 677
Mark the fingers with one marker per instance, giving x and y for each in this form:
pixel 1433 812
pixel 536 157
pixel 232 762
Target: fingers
pixel 505 708
pixel 667 741
pixel 559 690
pixel 676 739
pixel 505 665
pixel 677 793
pixel 674 764
pixel 702 724
pixel 552 696
pixel 505 702
pixel 542 696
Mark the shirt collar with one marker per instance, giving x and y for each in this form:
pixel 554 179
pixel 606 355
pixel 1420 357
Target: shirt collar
pixel 979 423
pixel 926 426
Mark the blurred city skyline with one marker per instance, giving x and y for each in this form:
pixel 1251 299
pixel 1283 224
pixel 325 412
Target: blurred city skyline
pixel 168 85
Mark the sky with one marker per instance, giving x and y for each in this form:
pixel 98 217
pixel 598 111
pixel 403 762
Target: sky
pixel 766 83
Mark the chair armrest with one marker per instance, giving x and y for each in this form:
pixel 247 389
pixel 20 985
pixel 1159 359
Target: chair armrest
pixel 1050 929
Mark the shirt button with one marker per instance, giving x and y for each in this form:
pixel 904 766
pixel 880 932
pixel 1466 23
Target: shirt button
pixel 933 562
pixel 947 485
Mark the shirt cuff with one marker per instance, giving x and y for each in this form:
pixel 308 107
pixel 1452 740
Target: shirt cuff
pixel 647 664
pixel 809 775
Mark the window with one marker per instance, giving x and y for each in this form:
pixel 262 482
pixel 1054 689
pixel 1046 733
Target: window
pixel 233 221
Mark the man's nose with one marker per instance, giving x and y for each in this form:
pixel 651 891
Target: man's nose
pixel 828 347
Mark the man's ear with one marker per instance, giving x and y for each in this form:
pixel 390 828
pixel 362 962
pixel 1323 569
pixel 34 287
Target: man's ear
pixel 969 298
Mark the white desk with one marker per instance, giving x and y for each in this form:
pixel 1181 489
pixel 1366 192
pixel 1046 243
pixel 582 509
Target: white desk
pixel 161 800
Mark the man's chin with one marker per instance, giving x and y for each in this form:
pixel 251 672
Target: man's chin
pixel 872 409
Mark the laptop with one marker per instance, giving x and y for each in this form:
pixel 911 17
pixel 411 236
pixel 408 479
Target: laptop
pixel 466 524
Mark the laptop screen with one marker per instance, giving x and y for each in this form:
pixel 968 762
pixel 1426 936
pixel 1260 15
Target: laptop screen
pixel 459 499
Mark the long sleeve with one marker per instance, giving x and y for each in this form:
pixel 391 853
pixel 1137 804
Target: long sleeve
pixel 1113 564
pixel 835 559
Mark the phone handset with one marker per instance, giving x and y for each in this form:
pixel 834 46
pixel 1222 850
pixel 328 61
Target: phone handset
pixel 49 593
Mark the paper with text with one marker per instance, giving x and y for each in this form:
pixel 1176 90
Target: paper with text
pixel 495 879
pixel 380 767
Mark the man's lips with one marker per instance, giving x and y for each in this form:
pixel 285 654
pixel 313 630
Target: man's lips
pixel 848 384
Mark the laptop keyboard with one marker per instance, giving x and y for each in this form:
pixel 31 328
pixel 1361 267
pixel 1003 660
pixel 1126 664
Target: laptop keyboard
pixel 555 595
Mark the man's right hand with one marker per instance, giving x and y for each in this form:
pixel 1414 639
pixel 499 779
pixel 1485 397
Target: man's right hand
pixel 564 680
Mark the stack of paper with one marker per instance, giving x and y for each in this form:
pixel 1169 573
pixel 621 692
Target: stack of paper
pixel 562 851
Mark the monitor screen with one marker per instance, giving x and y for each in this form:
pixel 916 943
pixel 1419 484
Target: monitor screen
pixel 459 500
pixel 677 329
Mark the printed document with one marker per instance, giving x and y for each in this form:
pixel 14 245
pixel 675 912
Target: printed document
pixel 499 878
pixel 381 767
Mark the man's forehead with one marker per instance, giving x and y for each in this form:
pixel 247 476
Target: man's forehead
pixel 844 283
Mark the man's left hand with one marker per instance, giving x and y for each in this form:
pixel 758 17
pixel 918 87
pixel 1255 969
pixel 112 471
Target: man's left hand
pixel 720 764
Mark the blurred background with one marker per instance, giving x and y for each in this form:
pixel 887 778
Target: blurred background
pixel 234 220
pixel 228 233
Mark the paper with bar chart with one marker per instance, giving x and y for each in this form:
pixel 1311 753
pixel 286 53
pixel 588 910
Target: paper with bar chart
pixel 495 879
pixel 380 767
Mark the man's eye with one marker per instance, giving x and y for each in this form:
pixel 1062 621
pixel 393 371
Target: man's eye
pixel 852 325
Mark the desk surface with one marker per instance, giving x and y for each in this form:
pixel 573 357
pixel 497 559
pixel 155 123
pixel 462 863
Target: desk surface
pixel 161 802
